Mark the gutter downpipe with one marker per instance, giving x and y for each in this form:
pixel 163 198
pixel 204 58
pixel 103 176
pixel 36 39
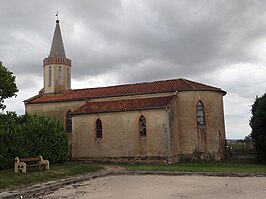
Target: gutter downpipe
pixel 167 137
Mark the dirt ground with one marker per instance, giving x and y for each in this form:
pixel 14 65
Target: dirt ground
pixel 165 187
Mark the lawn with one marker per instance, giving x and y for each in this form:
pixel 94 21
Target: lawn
pixel 228 167
pixel 10 180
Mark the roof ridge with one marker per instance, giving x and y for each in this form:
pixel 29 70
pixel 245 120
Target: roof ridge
pixel 187 82
pixel 205 84
pixel 127 84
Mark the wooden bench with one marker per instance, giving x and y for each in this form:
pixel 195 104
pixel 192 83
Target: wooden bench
pixel 21 164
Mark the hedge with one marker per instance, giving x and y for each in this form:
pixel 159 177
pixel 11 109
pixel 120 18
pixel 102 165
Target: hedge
pixel 30 136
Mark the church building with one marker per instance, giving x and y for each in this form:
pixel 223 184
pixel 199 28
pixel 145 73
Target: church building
pixel 159 121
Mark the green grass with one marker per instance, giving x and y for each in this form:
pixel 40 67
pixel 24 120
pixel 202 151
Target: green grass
pixel 11 180
pixel 202 167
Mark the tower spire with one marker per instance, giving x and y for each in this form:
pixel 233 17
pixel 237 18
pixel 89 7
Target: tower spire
pixel 57 48
pixel 57 67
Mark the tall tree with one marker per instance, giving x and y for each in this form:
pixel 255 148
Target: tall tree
pixel 258 125
pixel 8 87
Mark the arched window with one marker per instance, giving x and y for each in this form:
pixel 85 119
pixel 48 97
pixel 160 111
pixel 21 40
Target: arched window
pixel 142 126
pixel 68 122
pixel 200 114
pixel 99 129
pixel 50 76
pixel 68 77
pixel 59 76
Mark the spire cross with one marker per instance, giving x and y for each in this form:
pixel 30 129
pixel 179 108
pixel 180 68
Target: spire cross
pixel 56 15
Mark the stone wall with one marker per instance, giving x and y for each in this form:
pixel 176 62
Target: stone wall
pixel 187 122
pixel 121 138
pixel 56 109
pixel 174 137
pixel 121 130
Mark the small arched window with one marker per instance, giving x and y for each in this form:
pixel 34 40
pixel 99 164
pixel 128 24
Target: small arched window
pixel 50 76
pixel 59 76
pixel 68 122
pixel 99 129
pixel 200 114
pixel 68 77
pixel 142 126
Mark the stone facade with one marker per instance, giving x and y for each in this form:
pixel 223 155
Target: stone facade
pixel 121 138
pixel 172 131
pixel 56 78
pixel 160 121
pixel 206 139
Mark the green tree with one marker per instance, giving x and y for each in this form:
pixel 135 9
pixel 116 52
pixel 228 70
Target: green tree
pixel 8 87
pixel 30 136
pixel 258 125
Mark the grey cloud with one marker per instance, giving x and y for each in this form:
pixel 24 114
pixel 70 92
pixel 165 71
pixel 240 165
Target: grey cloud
pixel 140 40
pixel 199 45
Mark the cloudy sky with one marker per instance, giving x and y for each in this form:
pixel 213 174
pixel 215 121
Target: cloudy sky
pixel 220 43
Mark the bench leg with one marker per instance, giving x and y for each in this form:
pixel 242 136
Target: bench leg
pixel 45 163
pixel 16 167
pixel 24 168
pixel 20 167
pixel 47 167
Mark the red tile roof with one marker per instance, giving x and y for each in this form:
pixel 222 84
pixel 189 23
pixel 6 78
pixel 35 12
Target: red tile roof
pixel 125 105
pixel 126 89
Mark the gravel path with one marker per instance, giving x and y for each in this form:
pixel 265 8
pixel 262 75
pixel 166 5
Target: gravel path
pixel 166 187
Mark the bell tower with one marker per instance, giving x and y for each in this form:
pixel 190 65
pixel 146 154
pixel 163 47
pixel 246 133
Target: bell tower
pixel 57 68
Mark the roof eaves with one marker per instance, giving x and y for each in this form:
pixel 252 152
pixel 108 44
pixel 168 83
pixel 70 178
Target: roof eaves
pixel 124 110
pixel 214 89
pixel 63 100
pixel 28 101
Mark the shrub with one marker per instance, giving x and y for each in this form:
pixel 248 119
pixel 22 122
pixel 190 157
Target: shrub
pixel 258 125
pixel 30 136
